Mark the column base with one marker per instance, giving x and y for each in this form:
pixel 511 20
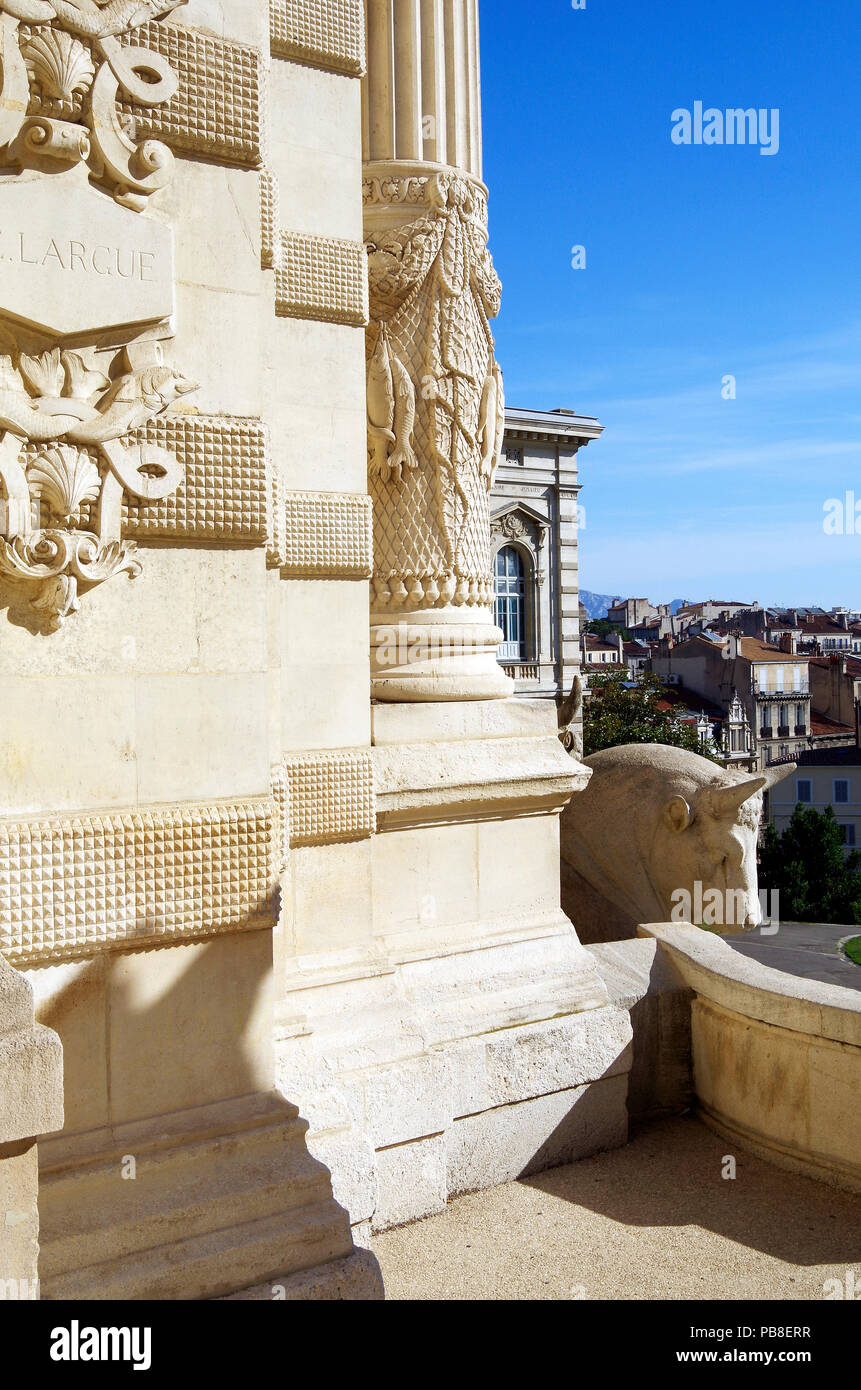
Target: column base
pixel 437 1101
pixel 470 1039
pixel 442 654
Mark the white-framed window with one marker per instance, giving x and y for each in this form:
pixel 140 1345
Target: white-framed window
pixel 804 791
pixel 847 833
pixel 796 679
pixel 841 791
pixel 509 587
pixel 799 716
pixel 778 676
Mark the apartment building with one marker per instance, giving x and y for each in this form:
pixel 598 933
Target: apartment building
pixel 597 653
pixel 771 686
pixel 824 777
pixel 835 687
pixel 709 611
pixel 632 612
pixel 805 629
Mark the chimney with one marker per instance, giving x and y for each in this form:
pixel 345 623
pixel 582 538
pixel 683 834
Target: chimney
pixel 843 620
pixel 793 616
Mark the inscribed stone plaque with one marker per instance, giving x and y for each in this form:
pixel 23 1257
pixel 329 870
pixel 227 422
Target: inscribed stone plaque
pixel 72 260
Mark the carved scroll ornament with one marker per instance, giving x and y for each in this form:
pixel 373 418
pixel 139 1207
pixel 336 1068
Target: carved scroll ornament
pixel 66 64
pixel 62 451
pixel 435 399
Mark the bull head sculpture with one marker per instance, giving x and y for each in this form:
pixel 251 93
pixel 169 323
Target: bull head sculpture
pixel 655 822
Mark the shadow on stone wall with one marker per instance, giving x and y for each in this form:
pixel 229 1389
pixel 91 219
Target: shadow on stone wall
pixel 182 1173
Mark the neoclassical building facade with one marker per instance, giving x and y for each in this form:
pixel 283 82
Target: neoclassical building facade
pixel 535 519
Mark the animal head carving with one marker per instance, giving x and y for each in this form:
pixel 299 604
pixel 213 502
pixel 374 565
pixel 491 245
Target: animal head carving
pixel 655 820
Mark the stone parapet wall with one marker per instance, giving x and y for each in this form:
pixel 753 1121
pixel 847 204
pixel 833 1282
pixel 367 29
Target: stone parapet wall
pixel 31 1103
pixel 776 1058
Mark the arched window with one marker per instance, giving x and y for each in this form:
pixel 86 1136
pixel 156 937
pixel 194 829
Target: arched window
pixel 510 603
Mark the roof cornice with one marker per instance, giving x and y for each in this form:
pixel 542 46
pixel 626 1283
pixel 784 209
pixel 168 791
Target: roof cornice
pixel 546 424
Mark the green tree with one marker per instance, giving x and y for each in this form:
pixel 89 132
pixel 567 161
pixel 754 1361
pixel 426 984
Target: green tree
pixel 614 714
pixel 807 864
pixel 603 628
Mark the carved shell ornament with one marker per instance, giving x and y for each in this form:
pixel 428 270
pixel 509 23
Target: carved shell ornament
pixel 64 419
pixel 60 69
pixel 62 79
pixel 65 478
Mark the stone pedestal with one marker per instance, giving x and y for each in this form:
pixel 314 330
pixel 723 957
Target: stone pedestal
pixel 462 1036
pixel 31 1103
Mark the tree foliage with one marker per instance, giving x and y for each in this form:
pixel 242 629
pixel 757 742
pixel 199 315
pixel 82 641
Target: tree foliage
pixel 817 880
pixel 615 713
pixel 603 628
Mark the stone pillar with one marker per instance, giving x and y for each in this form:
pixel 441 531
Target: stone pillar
pixel 31 1103
pixel 435 396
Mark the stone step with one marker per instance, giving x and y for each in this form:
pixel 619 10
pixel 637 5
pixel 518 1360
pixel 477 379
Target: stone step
pixel 194 1200
pixel 213 1265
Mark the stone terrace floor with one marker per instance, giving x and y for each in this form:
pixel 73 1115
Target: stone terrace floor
pixel 654 1220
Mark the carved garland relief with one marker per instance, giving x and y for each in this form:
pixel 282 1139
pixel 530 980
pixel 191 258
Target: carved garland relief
pixel 73 265
pixel 435 398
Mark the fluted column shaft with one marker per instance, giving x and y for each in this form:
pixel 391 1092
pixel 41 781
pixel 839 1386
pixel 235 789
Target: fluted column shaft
pixel 422 93
pixel 435 403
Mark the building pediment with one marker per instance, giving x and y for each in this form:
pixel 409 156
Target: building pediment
pixel 517 521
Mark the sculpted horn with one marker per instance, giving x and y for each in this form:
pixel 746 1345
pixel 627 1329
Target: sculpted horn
pixel 776 773
pixel 724 802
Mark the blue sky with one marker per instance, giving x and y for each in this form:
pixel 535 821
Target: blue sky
pixel 701 262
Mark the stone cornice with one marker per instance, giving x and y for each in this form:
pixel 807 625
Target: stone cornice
pixel 550 427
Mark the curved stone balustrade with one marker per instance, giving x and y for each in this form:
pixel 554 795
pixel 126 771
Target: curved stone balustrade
pixel 777 1058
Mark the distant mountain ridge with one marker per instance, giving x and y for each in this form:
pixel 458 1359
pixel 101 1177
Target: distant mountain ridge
pixel 596 605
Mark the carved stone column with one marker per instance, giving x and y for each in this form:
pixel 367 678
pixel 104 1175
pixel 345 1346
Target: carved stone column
pixel 435 397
